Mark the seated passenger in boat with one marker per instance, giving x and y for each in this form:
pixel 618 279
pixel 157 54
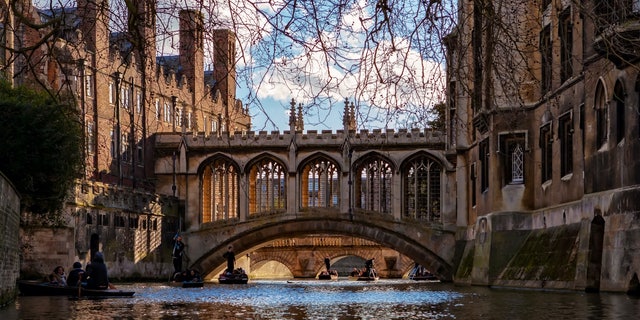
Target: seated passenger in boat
pixel 76 275
pixel 57 277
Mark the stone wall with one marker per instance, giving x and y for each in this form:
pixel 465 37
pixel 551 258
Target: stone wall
pixel 133 229
pixel 9 240
pixel 587 245
pixel 45 248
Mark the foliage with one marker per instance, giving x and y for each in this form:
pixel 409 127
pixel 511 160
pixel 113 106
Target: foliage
pixel 41 149
pixel 438 121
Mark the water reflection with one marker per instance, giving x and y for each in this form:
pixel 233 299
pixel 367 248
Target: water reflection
pixel 398 299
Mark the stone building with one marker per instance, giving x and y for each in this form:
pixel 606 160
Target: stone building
pixel 126 94
pixel 543 114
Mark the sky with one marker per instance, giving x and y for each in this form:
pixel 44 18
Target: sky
pixel 393 81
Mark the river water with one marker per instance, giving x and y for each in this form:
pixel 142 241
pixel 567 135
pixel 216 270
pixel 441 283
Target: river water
pixel 342 299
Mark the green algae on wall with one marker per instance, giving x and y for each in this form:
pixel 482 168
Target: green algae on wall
pixel 547 254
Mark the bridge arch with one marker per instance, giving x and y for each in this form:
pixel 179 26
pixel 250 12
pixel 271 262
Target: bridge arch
pixel 429 247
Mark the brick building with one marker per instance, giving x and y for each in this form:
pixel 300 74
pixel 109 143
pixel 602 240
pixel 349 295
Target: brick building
pixel 126 94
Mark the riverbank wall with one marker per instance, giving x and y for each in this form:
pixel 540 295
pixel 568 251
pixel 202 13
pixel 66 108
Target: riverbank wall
pixel 589 245
pixel 9 240
pixel 133 229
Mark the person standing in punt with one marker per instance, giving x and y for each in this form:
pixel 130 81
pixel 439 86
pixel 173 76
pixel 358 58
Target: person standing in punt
pixel 231 259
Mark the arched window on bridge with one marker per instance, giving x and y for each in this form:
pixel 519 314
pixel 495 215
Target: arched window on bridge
pixel 319 184
pixel 220 185
pixel 267 191
pixel 422 180
pixel 373 179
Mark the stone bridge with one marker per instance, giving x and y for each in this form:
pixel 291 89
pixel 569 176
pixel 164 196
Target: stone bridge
pixel 247 189
pixel 304 257
pixel 430 246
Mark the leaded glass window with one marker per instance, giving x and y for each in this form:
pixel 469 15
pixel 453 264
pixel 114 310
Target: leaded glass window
pixel 320 186
pixel 422 185
pixel 267 180
pixel 373 185
pixel 220 184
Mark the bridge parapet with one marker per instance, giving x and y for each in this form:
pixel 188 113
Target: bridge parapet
pixel 431 138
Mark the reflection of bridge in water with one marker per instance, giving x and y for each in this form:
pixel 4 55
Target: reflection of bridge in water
pixel 248 190
pixel 303 257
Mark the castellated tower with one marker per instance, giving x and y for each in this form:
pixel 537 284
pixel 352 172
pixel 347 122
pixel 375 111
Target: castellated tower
pixel 225 71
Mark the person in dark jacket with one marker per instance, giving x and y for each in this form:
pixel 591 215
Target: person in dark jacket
pixel 231 259
pixel 370 271
pixel 178 251
pixel 97 277
pixel 75 275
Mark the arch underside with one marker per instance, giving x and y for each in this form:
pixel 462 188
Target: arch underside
pixel 420 244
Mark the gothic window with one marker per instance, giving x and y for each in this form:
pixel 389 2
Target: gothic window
pixel 618 98
pixel 90 138
pixel 124 96
pixel 319 184
pixel 138 102
pixel 565 135
pixel 114 152
pixel 546 146
pixel 103 219
pixel 483 156
pixel 179 114
pixel 111 90
pixel 373 185
pixel 139 154
pixel 157 109
pixel 88 84
pixel 124 145
pixel 167 112
pixel 512 149
pixel 566 45
pixel 613 11
pixel 602 116
pixel 452 114
pixel 422 189
pixel 473 177
pixel 220 191
pixel 119 221
pixel 133 222
pixel 546 52
pixel 267 192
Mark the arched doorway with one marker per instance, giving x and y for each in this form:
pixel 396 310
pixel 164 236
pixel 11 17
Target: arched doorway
pixel 596 239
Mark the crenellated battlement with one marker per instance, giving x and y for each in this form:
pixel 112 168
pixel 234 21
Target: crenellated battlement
pixel 311 138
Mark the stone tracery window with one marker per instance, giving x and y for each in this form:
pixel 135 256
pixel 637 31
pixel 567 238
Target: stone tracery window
pixel 373 180
pixel 220 191
pixel 319 184
pixel 267 187
pixel 422 189
pixel 602 116
pixel 512 149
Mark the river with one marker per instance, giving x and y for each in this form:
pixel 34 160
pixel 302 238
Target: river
pixel 342 299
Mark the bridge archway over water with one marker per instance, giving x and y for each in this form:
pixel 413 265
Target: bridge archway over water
pixel 432 248
pixel 303 257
